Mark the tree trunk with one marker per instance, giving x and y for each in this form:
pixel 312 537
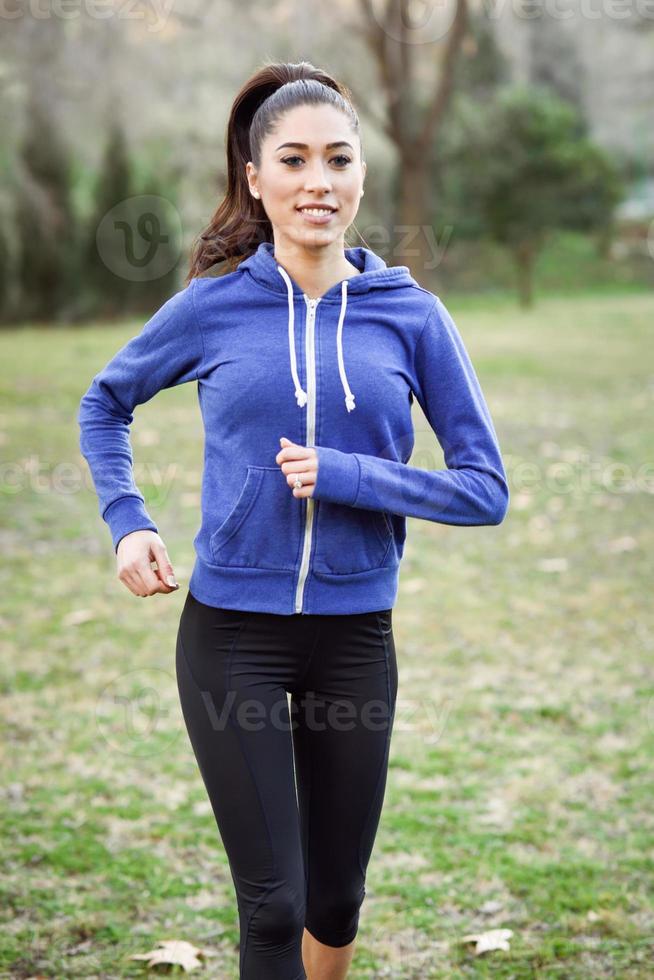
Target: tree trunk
pixel 414 243
pixel 524 255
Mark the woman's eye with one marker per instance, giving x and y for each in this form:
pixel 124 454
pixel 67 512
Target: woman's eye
pixel 341 156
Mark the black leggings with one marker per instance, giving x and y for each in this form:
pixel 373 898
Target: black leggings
pixel 298 859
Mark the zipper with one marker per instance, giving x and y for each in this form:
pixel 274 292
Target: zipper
pixel 311 434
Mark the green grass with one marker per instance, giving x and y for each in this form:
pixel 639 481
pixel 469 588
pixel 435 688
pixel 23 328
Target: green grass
pixel 520 787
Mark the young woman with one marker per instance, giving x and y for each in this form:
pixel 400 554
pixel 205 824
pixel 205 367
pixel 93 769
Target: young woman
pixel 307 356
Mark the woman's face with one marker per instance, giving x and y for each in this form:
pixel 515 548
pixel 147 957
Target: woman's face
pixel 314 173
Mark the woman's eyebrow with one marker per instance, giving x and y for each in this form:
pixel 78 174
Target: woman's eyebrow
pixel 328 146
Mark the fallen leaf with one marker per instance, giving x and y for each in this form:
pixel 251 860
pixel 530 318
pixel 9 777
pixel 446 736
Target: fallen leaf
pixel 552 564
pixel 175 952
pixel 625 543
pixel 78 616
pixel 490 940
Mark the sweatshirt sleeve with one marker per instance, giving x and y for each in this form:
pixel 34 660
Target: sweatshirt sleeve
pixel 473 489
pixel 168 351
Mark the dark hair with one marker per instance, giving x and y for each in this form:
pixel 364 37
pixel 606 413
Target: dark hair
pixel 240 223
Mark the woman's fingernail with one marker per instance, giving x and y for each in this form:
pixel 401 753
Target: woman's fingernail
pixel 171 581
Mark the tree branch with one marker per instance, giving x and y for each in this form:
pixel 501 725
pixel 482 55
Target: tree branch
pixel 445 80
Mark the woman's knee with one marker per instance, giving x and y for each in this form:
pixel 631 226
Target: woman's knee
pixel 333 919
pixel 279 918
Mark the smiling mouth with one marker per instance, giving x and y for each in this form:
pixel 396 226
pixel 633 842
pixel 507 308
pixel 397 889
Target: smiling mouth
pixel 317 210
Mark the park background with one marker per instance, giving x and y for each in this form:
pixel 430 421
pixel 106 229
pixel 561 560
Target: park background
pixel 511 167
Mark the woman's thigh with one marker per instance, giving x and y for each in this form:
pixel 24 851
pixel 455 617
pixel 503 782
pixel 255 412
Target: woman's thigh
pixel 236 713
pixel 342 716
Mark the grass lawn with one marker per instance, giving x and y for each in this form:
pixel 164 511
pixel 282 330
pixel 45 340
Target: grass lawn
pixel 521 784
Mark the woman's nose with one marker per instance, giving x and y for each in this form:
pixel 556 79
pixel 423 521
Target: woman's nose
pixel 317 178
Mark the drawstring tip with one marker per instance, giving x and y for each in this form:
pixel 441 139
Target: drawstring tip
pixel 301 397
pixel 349 402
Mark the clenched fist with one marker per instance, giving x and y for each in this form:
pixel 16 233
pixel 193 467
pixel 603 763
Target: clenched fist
pixel 136 552
pixel 298 460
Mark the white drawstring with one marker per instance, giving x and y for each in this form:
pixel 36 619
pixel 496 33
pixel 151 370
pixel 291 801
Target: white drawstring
pixel 349 397
pixel 300 394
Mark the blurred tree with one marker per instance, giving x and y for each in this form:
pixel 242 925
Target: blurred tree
pixel 45 219
pixel 5 306
pixel 555 58
pixel 480 72
pixel 412 120
pixel 540 173
pixel 158 194
pixel 107 271
pixel 482 67
pixel 133 237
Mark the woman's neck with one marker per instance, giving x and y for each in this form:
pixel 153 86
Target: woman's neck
pixel 316 272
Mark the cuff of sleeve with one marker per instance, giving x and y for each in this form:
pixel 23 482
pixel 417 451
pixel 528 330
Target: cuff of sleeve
pixel 338 476
pixel 125 515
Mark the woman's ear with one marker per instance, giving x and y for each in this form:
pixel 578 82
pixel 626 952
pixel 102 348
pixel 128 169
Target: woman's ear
pixel 250 172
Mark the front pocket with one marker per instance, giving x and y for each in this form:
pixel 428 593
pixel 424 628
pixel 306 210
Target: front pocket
pixel 262 530
pixel 350 539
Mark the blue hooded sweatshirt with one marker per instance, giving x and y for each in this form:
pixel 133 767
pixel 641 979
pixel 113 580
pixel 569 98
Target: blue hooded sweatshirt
pixel 338 373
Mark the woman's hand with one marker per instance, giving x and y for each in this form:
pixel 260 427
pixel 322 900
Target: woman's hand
pixel 298 460
pixel 136 552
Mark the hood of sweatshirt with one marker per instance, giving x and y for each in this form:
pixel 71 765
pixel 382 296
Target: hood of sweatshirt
pixel 373 274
